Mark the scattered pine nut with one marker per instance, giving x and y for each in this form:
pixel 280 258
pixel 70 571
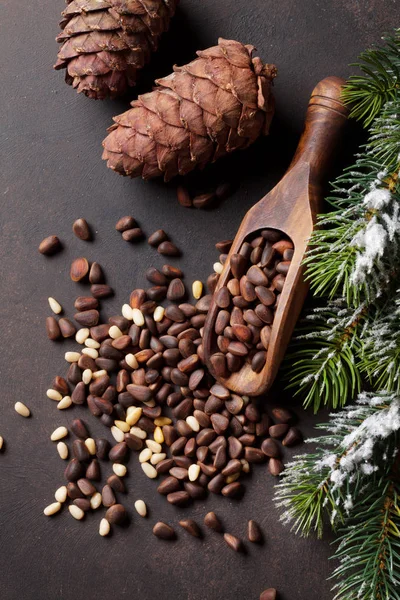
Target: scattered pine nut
pixel 133 415
pixel 156 458
pixel 218 267
pixel 149 470
pixel 232 478
pixel 52 509
pixel 54 395
pixel 145 455
pixel 1 442
pixel 142 435
pixel 22 409
pixel 245 465
pixel 90 343
pixel 61 494
pixel 92 352
pixel 64 403
pixel 122 425
pixel 76 512
pixel 127 312
pixel 193 472
pixel 138 317
pixel 158 314
pixel 95 500
pixel 161 421
pixel 115 332
pixel 158 435
pixel 98 374
pixel 62 450
pixel 193 423
pixel 197 289
pixel 91 446
pixel 141 508
pixel 119 469
pixel 154 446
pixel 150 403
pixel 59 433
pixel 82 335
pixel 72 357
pixel 55 306
pixel 117 434
pixel 131 361
pixel 87 376
pixel 104 528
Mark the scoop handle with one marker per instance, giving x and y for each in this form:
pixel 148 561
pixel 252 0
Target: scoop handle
pixel 326 116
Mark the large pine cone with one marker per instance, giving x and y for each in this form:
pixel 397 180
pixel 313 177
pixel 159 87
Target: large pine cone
pixel 106 42
pixel 218 103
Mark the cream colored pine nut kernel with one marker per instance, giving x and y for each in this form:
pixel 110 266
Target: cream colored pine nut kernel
pixel 62 450
pixel 22 409
pixel 90 343
pixel 145 455
pixel 150 403
pixel 133 415
pixel 141 508
pixel 197 289
pixel 245 465
pixel 64 403
pixel 98 374
pixel 82 335
pixel 91 446
pixel 72 357
pixel 193 423
pixel 161 421
pixel 218 267
pixel 76 512
pixel 117 434
pixel 149 470
pixel 119 469
pixel 158 314
pixel 158 435
pixel 54 395
pixel 142 435
pixel 131 361
pixel 87 376
pixel 1 442
pixel 115 332
pixel 92 352
pixel 232 478
pixel 104 527
pixel 95 501
pixel 52 509
pixel 156 458
pixel 54 305
pixel 137 317
pixel 122 425
pixel 193 472
pixel 61 494
pixel 126 312
pixel 154 446
pixel 59 433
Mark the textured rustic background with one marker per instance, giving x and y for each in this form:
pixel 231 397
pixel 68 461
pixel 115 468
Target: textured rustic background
pixel 51 172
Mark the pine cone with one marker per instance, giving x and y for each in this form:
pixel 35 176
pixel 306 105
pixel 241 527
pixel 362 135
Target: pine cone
pixel 106 42
pixel 218 103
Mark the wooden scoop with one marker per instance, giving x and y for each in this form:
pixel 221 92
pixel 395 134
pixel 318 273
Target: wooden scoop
pixel 290 207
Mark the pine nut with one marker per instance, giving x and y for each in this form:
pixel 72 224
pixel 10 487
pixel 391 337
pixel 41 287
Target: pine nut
pixel 127 312
pixel 95 500
pixel 141 508
pixel 117 434
pixel 232 478
pixel 61 494
pixel 1 442
pixel 193 423
pixel 98 374
pixel 142 435
pixel 160 421
pixel 149 470
pixel 55 306
pixel 104 528
pixel 197 289
pixel 87 376
pixel 151 403
pixel 64 403
pixel 138 317
pixel 158 435
pixel 156 458
pixel 76 512
pixel 133 415
pixel 92 352
pixel 119 469
pixel 54 395
pixel 52 509
pixel 122 425
pixel 131 361
pixel 62 450
pixel 22 409
pixel 82 335
pixel 72 357
pixel 218 267
pixel 158 314
pixel 193 472
pixel 91 446
pixel 145 455
pixel 154 446
pixel 89 343
pixel 245 465
pixel 115 332
pixel 58 434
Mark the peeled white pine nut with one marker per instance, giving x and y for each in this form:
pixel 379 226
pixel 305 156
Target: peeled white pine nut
pixel 98 374
pixel 142 435
pixel 72 357
pixel 154 446
pixel 119 469
pixel 137 317
pixel 95 500
pixel 160 421
pixel 90 343
pixel 104 528
pixel 122 425
pixel 92 352
pixel 76 512
pixel 22 409
pixel 55 306
pixel 158 314
pixel 141 508
pixel 62 450
pixel 156 458
pixel 91 446
pixel 149 470
pixel 158 435
pixel 52 509
pixel 218 267
pixel 145 455
pixel 127 312
pixel 197 289
pixel 193 472
pixel 133 415
pixel 87 376
pixel 64 403
pixel 131 361
pixel 59 433
pixel 245 465
pixel 193 423
pixel 1 442
pixel 82 335
pixel 61 494
pixel 117 434
pixel 54 395
pixel 115 332
pixel 232 478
